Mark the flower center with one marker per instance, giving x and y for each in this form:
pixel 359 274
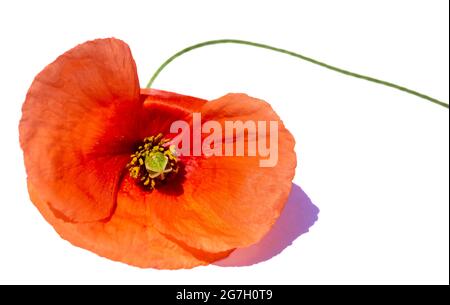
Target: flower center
pixel 153 162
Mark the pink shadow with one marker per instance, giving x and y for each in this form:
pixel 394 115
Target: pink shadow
pixel 298 216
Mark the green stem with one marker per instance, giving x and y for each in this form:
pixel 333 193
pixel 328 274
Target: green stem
pixel 311 60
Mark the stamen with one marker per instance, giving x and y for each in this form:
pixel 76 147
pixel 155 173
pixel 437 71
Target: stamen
pixel 154 162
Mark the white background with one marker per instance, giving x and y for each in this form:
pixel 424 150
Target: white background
pixel 374 160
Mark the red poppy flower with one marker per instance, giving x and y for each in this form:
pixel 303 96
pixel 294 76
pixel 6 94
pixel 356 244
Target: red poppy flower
pixel 85 119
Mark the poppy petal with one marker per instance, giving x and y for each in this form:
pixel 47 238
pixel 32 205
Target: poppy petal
pixel 124 240
pixel 222 202
pixel 78 127
pixel 160 109
pixel 189 103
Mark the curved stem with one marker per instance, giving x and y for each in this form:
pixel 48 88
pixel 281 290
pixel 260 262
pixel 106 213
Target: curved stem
pixel 311 60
